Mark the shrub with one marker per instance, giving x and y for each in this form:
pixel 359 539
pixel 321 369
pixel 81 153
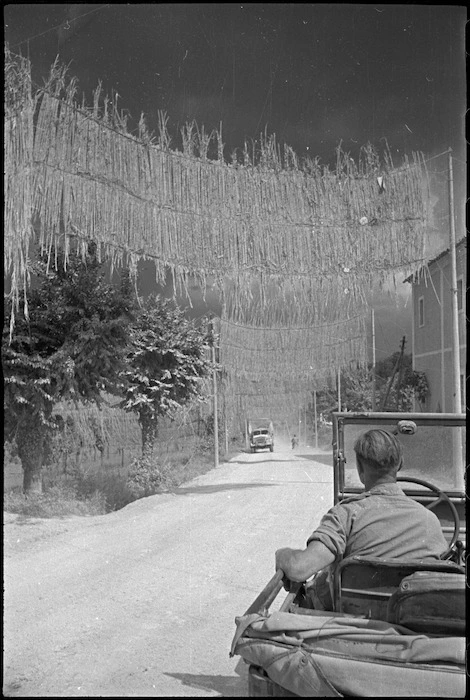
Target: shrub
pixel 113 488
pixel 149 475
pixel 10 453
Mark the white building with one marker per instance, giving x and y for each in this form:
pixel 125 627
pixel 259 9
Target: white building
pixel 432 328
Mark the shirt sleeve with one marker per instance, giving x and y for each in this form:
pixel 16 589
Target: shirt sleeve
pixel 333 530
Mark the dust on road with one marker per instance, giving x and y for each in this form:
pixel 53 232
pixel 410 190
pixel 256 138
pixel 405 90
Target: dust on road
pixel 141 602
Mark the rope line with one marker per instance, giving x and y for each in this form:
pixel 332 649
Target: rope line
pixel 36 36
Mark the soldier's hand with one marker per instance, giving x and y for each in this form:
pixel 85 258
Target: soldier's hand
pixel 280 563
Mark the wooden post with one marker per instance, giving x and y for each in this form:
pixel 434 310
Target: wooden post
pixel 339 390
pixel 457 404
pixel 390 381
pixel 214 389
pixel 399 380
pixel 456 393
pixel 315 416
pixel 373 360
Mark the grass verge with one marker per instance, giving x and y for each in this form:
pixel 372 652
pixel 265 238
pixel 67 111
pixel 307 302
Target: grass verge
pixel 58 501
pixel 85 493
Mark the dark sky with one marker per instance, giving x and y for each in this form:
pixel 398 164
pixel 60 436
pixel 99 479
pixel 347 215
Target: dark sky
pixel 314 74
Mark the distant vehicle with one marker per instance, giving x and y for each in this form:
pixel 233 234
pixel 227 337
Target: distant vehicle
pixel 398 627
pixel 261 434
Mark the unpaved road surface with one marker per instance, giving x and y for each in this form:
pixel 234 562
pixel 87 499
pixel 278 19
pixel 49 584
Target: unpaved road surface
pixel 141 602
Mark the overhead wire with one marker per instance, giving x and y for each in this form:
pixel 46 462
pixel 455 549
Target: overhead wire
pixel 57 26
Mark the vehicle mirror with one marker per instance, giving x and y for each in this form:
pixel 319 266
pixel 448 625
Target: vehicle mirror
pixel 406 427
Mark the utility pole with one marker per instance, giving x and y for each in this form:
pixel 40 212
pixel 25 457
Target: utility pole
pixel 390 381
pixel 373 360
pixel 457 401
pixel 315 416
pixel 305 421
pixel 339 390
pixel 226 426
pixel 457 404
pixel 214 389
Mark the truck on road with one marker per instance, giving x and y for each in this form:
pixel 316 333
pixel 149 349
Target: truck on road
pixel 260 434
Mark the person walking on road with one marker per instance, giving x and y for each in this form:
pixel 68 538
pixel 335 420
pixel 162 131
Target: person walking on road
pixel 294 441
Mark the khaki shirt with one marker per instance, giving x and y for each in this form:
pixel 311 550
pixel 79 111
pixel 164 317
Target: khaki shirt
pixel 382 522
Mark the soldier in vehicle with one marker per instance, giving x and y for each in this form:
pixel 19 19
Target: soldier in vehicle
pixel 380 522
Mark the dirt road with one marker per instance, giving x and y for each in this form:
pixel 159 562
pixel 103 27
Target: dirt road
pixel 141 602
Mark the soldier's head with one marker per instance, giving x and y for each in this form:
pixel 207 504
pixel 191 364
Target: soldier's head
pixel 379 455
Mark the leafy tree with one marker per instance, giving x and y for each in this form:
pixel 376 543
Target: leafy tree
pixel 408 384
pixel 166 364
pixel 417 383
pixel 71 345
pixel 356 393
pixel 356 388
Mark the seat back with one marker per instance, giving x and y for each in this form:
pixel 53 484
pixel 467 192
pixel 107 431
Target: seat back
pixel 364 585
pixel 430 602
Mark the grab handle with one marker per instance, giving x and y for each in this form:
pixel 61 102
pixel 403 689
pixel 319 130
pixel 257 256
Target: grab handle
pixel 268 594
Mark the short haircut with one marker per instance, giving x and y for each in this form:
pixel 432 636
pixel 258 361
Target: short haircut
pixel 381 450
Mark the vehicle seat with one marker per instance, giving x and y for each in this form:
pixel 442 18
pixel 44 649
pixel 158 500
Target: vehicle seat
pixel 431 602
pixel 364 585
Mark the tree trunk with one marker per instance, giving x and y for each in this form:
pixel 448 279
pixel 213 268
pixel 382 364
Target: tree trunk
pixel 31 440
pixel 149 425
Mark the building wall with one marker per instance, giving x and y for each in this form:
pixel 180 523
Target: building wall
pixel 432 340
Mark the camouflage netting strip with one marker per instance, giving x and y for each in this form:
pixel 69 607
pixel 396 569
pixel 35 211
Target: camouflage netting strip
pixel 206 218
pixel 246 351
pixel 300 302
pixel 280 403
pixel 18 151
pixel 106 424
pixel 273 370
pixel 276 338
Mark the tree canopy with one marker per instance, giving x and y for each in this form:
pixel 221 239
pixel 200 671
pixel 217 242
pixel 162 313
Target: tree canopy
pixel 167 361
pixel 69 342
pixel 394 391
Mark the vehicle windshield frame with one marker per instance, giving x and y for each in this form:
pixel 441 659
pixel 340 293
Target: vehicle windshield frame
pixel 343 419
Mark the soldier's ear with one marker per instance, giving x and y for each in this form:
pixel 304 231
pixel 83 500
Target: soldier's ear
pixel 360 472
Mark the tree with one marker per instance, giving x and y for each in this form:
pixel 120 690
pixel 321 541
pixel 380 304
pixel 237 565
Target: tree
pixel 167 362
pixel 407 384
pixel 356 393
pixel 71 345
pixel 356 388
